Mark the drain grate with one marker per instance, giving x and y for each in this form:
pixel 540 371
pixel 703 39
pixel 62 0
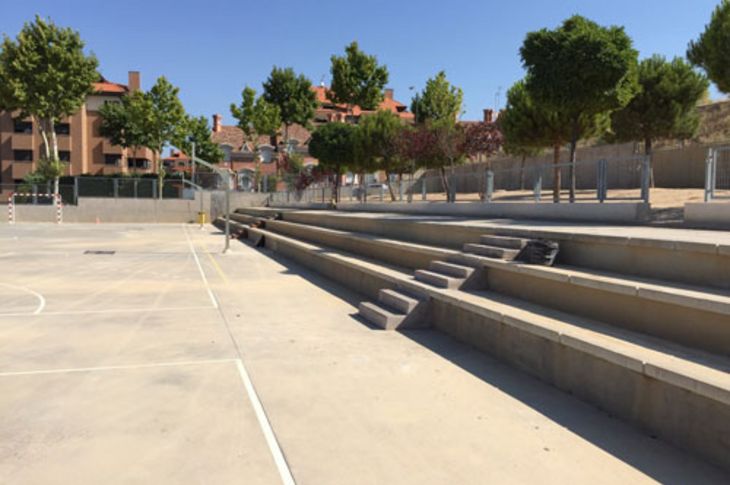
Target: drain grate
pixel 106 253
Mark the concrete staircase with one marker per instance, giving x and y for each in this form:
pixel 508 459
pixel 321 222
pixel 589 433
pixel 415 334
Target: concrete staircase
pixel 613 323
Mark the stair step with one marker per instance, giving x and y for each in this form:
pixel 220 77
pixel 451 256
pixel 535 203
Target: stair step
pixel 503 241
pixel 491 251
pixel 397 300
pixel 438 279
pixel 380 316
pixel 451 269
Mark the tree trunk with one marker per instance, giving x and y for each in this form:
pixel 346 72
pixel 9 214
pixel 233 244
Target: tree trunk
pixel 363 187
pixel 55 159
pixel 573 146
pixel 445 183
pixel 390 186
pixel 160 174
pixel 522 172
pixel 336 189
pixel 648 148
pixel 556 173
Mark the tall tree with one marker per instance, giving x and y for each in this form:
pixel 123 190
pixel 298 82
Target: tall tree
pixel 256 116
pixel 528 125
pixel 378 145
pixel 666 106
pixel 197 130
pixel 124 123
pixel 357 79
pixel 163 121
pixel 439 101
pixel 582 70
pixel 712 50
pixel 333 144
pixel 46 75
pixel 293 95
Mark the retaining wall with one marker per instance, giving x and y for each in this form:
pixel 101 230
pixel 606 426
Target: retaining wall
pixel 713 214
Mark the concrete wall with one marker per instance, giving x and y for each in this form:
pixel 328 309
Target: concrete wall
pixel 714 214
pixel 625 212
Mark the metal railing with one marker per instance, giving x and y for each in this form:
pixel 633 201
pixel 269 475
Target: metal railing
pixel 122 187
pixel 597 181
pixel 717 173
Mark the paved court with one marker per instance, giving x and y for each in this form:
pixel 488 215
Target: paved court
pixel 168 362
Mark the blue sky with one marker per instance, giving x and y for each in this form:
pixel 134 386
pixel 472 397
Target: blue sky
pixel 211 49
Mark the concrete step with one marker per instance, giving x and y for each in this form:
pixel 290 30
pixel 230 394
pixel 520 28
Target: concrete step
pixel 398 300
pixel 491 251
pixel 381 316
pixel 503 241
pixel 437 279
pixel 679 394
pixel 451 269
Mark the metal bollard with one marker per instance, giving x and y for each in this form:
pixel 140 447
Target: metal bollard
pixel 400 190
pixel 423 188
pixel 382 193
pixel 490 186
pixel 645 178
pixel 537 187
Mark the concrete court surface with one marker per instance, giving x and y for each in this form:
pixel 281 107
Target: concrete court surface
pixel 168 362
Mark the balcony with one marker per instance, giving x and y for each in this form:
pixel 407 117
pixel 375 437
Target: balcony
pixel 22 141
pixel 110 149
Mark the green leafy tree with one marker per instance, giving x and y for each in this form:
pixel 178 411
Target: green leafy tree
pixel 197 130
pixel 666 106
pixel 357 79
pixel 377 146
pixel 528 126
pixel 582 70
pixel 439 101
pixel 293 95
pixel 46 75
pixel 163 121
pixel 124 123
pixel 333 144
pixel 712 50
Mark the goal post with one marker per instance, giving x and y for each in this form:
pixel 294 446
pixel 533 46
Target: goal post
pixel 55 198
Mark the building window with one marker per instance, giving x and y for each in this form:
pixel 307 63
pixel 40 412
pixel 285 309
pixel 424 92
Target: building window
pixel 63 129
pixel 227 149
pixel 22 126
pixel 64 155
pixel 138 163
pixel 23 155
pixel 112 159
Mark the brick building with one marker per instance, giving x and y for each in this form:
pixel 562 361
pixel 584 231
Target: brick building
pixel 79 141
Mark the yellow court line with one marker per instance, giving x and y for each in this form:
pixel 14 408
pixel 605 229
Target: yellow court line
pixel 217 267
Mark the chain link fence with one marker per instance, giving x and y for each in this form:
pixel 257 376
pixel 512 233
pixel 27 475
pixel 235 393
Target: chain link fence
pixel 717 173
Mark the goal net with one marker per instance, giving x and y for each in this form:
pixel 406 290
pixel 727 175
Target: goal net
pixel 55 203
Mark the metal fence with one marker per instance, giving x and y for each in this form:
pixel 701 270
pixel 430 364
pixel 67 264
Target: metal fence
pixel 717 173
pixel 600 180
pixel 71 190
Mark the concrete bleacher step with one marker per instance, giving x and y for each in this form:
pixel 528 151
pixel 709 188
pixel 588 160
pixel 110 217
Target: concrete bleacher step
pixel 380 315
pixel 438 279
pixel 491 251
pixel 508 242
pixel 451 269
pixel 398 300
pixel 678 393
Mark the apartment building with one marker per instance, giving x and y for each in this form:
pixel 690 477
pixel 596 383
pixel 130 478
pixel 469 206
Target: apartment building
pixel 80 144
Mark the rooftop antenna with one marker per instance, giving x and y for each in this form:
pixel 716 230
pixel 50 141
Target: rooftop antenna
pixel 497 97
pixel 321 81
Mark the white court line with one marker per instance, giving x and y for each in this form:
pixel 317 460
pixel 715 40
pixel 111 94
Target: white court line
pixel 116 367
pixel 281 465
pixel 200 268
pixel 108 310
pixel 41 300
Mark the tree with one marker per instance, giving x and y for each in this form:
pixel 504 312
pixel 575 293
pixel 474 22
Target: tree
pixel 45 74
pixel 333 144
pixel 438 101
pixel 293 95
pixel 197 130
pixel 256 116
pixel 164 119
pixel 357 79
pixel 377 145
pixel 482 139
pixel 712 50
pixel 151 119
pixel 666 106
pixel 124 123
pixel 526 125
pixel 583 71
